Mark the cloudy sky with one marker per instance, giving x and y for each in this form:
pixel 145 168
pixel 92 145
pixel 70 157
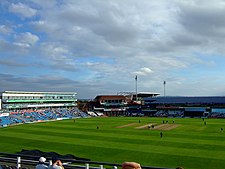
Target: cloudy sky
pixel 97 47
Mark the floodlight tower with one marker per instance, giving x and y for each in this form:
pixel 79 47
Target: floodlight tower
pixel 164 85
pixel 136 86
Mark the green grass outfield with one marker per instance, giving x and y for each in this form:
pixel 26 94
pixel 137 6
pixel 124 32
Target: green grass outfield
pixel 192 144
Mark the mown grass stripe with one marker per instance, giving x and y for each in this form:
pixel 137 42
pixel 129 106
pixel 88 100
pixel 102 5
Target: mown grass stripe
pixel 149 158
pixel 201 144
pixel 143 147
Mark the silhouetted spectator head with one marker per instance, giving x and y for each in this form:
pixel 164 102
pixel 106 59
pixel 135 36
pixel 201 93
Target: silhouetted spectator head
pixel 131 165
pixel 54 159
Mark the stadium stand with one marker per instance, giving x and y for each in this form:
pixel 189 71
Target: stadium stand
pixel 181 106
pixel 18 107
pixel 31 116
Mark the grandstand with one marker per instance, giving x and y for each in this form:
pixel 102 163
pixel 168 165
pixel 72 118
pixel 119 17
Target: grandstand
pixel 110 105
pixel 31 116
pixel 123 103
pixel 28 107
pixel 213 106
pixel 150 104
pixel 12 100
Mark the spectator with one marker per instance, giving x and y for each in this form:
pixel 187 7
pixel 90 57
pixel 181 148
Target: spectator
pixel 131 165
pixel 41 164
pixel 56 164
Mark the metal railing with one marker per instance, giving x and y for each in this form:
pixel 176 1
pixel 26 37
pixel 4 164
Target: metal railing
pixel 21 161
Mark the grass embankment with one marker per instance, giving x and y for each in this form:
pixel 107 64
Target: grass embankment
pixel 191 144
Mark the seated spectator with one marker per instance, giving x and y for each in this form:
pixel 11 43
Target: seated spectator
pixel 56 164
pixel 41 164
pixel 131 165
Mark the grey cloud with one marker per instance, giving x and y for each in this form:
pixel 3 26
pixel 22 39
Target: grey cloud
pixel 205 20
pixel 42 83
pixel 64 66
pixel 59 57
pixel 4 46
pixel 187 40
pixel 12 63
pixel 49 83
pixel 10 49
pixel 26 38
pixel 103 22
pixel 103 19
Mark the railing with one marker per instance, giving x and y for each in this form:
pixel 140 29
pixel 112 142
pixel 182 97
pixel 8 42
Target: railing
pixel 21 161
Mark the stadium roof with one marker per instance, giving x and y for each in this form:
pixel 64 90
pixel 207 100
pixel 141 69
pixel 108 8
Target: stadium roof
pixel 28 92
pixel 147 94
pixel 140 94
pixel 103 97
pixel 187 100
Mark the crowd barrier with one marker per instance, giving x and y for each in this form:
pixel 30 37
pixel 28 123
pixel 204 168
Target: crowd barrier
pixel 21 161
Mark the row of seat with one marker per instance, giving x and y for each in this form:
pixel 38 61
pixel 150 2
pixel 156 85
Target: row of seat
pixel 28 116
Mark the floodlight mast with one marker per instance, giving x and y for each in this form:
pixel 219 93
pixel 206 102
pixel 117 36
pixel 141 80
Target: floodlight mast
pixel 164 84
pixel 136 86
